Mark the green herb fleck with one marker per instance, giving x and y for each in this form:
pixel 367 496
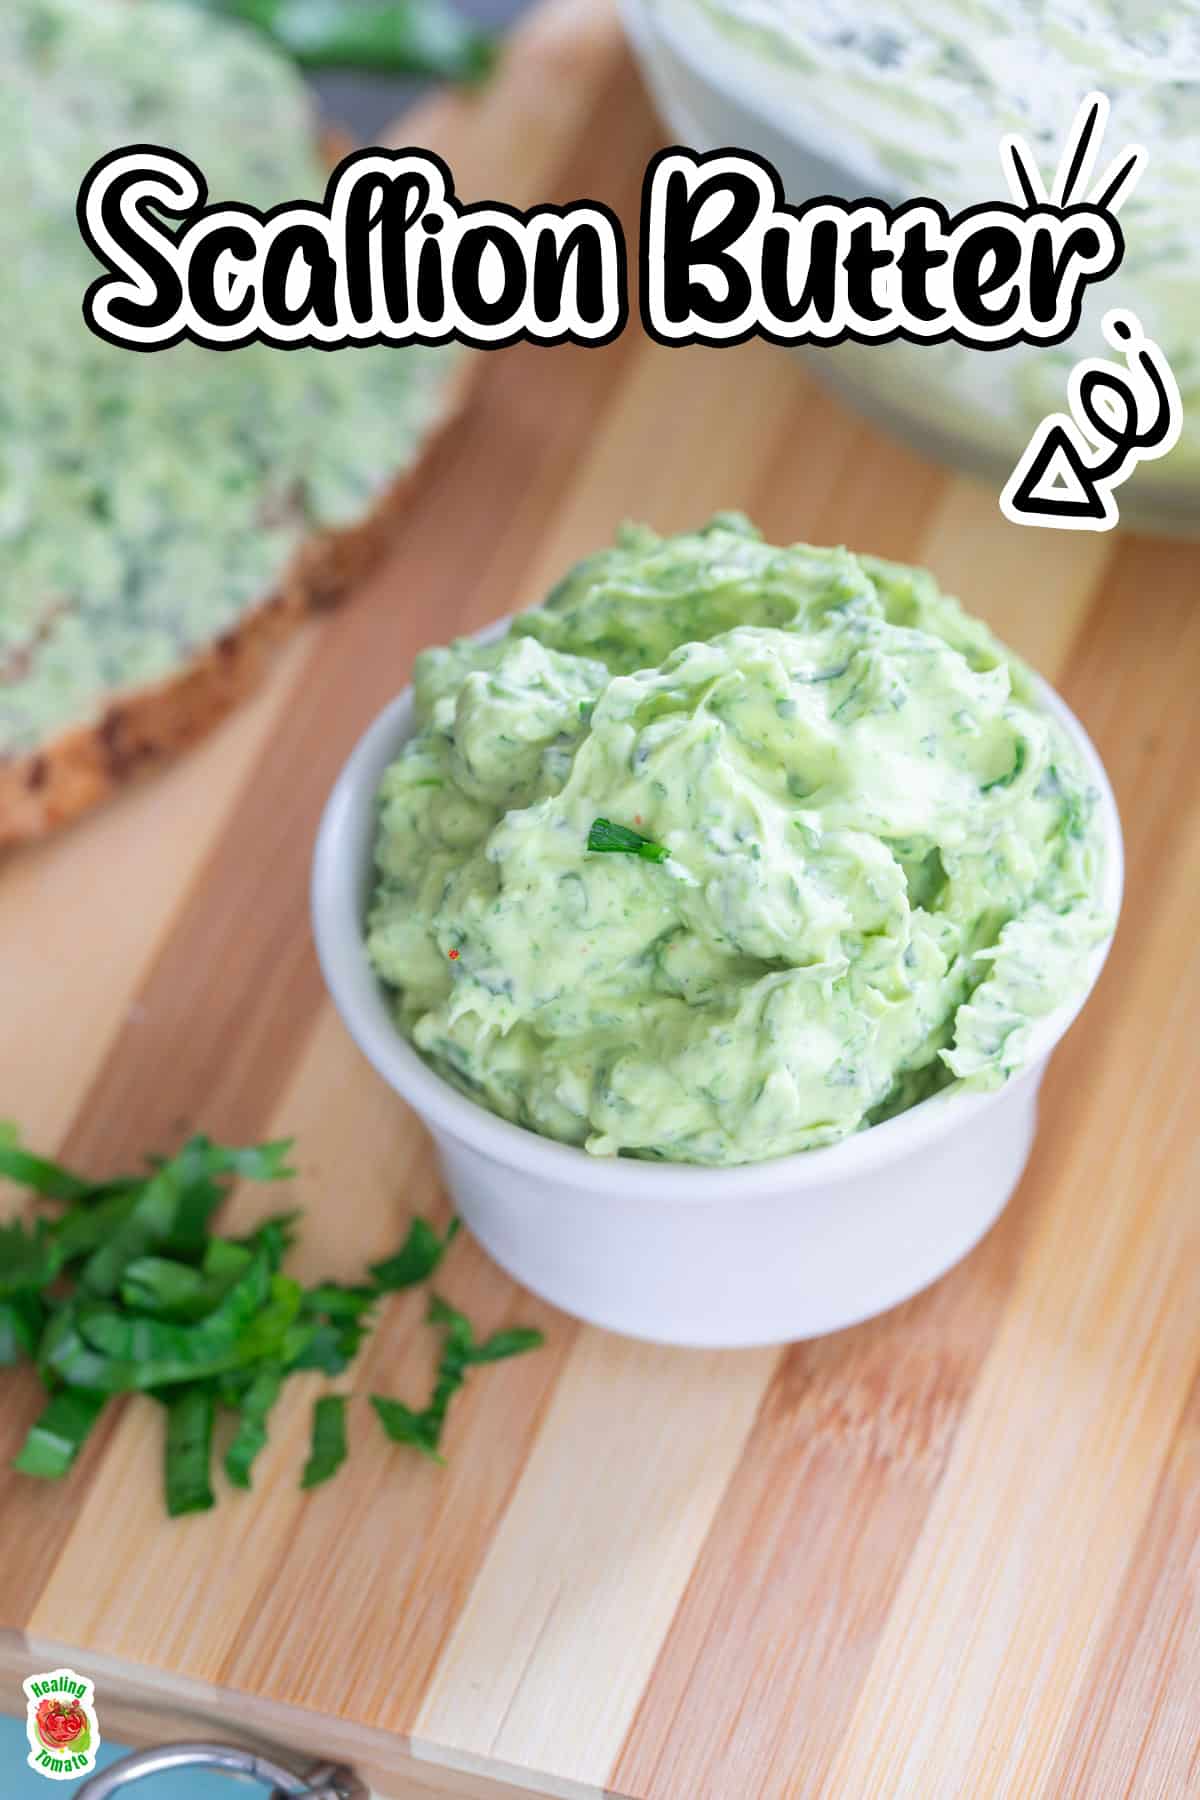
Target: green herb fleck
pixel 604 835
pixel 1004 781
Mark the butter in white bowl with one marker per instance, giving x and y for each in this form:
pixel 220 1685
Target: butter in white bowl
pixel 876 857
pixel 938 869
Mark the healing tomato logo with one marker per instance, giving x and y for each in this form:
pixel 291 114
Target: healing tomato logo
pixel 59 1723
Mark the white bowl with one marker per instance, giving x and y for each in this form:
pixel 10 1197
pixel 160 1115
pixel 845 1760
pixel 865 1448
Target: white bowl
pixel 760 1254
pixel 951 404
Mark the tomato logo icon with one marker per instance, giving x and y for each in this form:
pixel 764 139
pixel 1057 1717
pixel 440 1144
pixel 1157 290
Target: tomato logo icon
pixel 61 1725
pixel 61 1722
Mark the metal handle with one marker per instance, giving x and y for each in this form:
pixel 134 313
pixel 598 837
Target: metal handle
pixel 323 1782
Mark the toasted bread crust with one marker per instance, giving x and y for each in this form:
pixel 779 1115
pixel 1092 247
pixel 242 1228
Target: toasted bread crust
pixel 139 728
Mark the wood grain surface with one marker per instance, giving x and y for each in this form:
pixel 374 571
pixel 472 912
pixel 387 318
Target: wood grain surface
pixel 951 1553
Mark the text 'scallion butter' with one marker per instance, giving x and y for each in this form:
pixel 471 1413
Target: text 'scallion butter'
pixel 882 853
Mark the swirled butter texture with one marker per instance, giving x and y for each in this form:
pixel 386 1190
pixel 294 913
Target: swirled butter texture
pixel 883 852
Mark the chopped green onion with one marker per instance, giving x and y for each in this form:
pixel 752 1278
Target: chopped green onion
pixel 404 1426
pixel 175 1352
pixel 336 1321
pixel 171 1208
pixel 21 1321
pixel 57 1437
pixel 129 1289
pixel 424 1429
pixel 83 1228
pixel 170 1290
pixel 604 835
pixel 328 1449
pixel 418 1258
pixel 503 1344
pixel 37 1173
pixel 251 1435
pixel 190 1416
pixel 275 1236
pixel 29 1257
pixel 146 1226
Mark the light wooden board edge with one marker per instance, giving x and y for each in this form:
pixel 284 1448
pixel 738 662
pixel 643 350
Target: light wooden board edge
pixel 142 1708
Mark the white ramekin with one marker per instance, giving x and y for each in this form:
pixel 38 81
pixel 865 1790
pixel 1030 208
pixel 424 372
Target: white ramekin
pixel 760 1254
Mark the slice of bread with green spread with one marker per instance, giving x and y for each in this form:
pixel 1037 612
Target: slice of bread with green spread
pixel 165 518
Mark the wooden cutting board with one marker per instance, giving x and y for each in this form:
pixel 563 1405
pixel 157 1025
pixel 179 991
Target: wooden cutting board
pixel 951 1553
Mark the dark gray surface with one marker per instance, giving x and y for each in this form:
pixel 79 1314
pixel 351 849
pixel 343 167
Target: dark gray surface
pixel 364 105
